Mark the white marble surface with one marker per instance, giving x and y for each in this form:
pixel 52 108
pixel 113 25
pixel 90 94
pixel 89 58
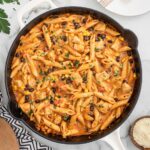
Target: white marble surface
pixel 139 24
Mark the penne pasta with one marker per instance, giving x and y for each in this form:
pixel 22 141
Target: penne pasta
pixel 108 121
pixel 15 70
pixel 46 36
pixel 73 75
pixel 92 48
pixel 119 104
pixel 105 98
pixel 51 125
pixel 89 78
pixel 73 52
pixel 32 66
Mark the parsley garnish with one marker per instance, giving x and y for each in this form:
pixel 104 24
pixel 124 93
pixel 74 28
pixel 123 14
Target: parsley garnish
pixel 84 77
pixel 8 1
pixel 96 49
pixel 76 63
pixel 70 65
pixel 41 72
pixel 4 24
pixel 30 112
pixel 44 79
pixel 116 72
pixel 66 117
pixel 67 55
pixel 64 67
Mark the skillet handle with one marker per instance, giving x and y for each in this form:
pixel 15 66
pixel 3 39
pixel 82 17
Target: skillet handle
pixel 29 7
pixel 114 140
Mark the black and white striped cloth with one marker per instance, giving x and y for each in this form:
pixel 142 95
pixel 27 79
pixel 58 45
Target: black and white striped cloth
pixel 25 140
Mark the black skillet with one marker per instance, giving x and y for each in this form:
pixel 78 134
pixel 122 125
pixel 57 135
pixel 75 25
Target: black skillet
pixel 129 36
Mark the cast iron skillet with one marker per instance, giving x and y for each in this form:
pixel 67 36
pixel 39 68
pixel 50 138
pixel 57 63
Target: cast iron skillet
pixel 127 34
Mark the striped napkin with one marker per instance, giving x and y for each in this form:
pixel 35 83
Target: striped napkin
pixel 25 140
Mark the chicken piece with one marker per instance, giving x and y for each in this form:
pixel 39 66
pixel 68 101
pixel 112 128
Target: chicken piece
pixel 102 76
pixel 101 26
pixel 104 107
pixel 126 88
pixel 99 45
pixel 116 45
pixel 77 78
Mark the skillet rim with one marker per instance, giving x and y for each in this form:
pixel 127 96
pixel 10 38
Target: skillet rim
pixel 61 10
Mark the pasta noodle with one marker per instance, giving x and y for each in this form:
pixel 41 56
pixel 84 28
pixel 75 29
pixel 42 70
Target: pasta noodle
pixel 73 75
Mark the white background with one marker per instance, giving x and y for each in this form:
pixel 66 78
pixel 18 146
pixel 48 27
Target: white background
pixel 139 24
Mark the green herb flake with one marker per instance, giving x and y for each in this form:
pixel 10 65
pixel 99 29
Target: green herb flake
pixel 96 49
pixel 41 72
pixel 91 65
pixel 44 79
pixel 116 73
pixel 30 112
pixel 66 117
pixel 51 99
pixel 46 98
pixel 84 78
pixel 76 63
pixel 72 78
pixel 67 55
pixel 31 102
pixel 121 65
pixel 64 67
pixel 43 54
pixel 70 65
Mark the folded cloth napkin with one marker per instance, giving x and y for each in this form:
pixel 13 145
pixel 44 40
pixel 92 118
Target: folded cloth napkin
pixel 26 141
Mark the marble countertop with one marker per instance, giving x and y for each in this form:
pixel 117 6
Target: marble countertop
pixel 139 24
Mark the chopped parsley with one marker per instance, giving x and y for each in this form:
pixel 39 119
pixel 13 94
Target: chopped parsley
pixel 43 54
pixel 72 78
pixel 64 67
pixel 41 72
pixel 101 106
pixel 30 112
pixel 96 49
pixel 31 102
pixel 76 63
pixel 66 117
pixel 116 73
pixel 70 65
pixel 52 79
pixel 44 79
pixel 84 78
pixel 67 55
pixel 51 99
pixel 91 65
